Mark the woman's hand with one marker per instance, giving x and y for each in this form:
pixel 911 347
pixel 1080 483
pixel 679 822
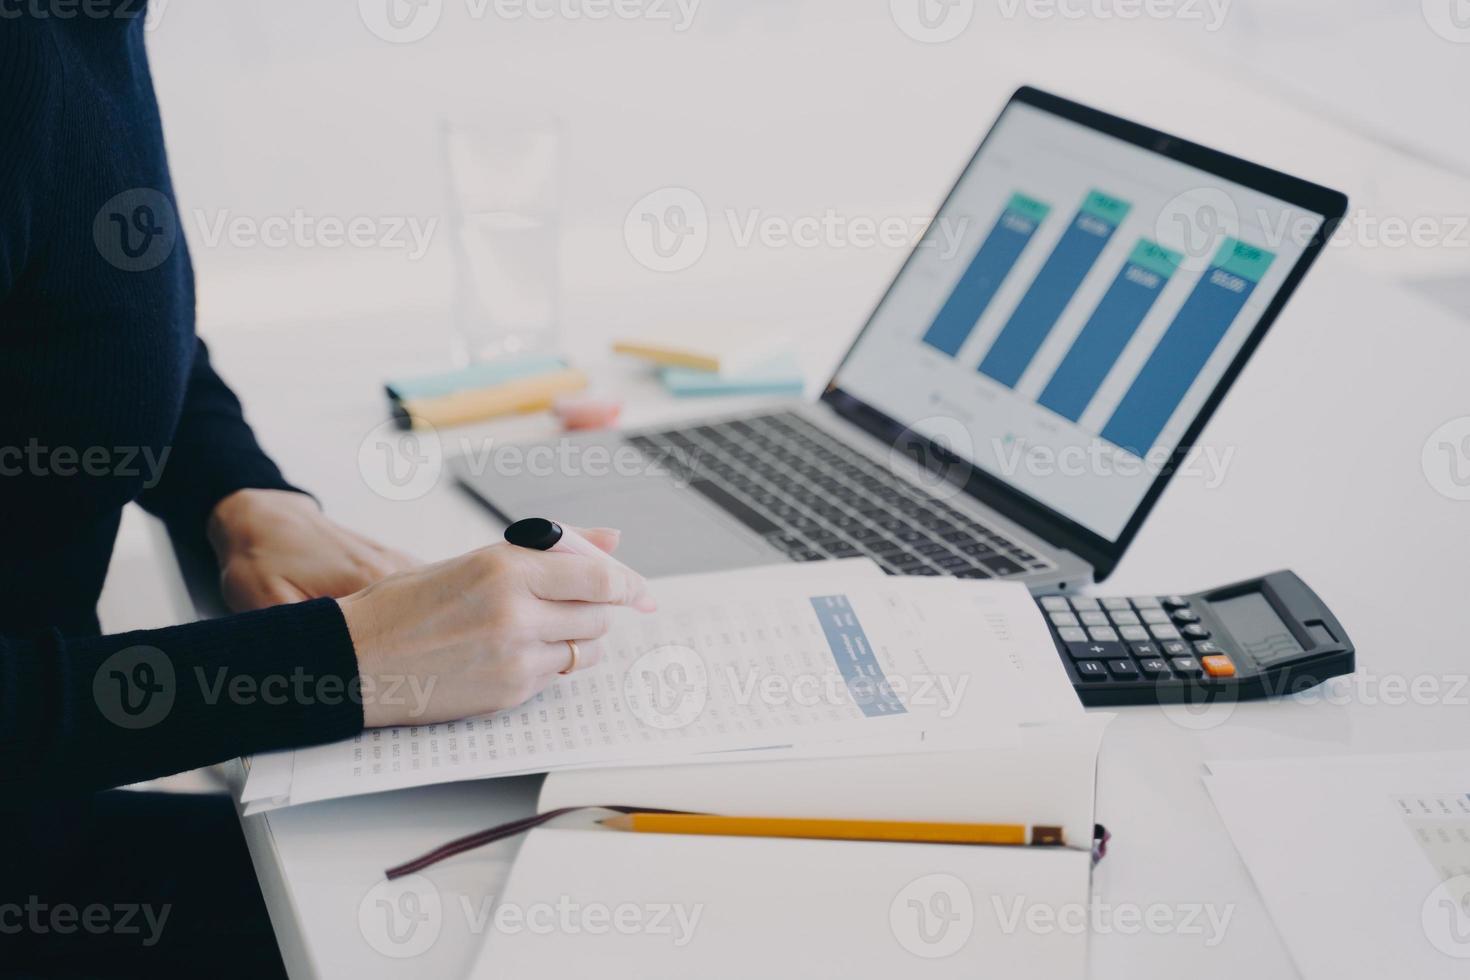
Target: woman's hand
pixel 482 632
pixel 278 547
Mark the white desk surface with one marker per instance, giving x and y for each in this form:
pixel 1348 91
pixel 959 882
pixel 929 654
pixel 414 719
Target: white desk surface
pixel 1326 426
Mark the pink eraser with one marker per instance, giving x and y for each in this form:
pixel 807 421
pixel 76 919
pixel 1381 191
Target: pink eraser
pixel 581 412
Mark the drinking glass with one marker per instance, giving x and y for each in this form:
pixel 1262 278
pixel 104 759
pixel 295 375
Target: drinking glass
pixel 504 177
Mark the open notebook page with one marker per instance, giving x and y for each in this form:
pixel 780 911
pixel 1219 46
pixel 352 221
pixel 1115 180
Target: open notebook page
pixel 592 903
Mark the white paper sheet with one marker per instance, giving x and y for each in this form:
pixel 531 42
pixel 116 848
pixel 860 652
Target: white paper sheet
pixel 269 775
pixel 1364 862
pixel 804 657
pixel 589 903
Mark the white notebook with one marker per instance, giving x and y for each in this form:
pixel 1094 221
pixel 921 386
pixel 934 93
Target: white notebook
pixel 583 901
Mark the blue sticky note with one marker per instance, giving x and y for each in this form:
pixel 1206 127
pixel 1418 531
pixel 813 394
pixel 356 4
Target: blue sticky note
pixel 484 375
pixel 778 376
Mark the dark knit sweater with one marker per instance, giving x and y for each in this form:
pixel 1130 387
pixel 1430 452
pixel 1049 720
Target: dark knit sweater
pixel 107 397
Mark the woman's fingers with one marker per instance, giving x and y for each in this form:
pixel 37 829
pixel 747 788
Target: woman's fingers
pixel 553 658
pixel 590 653
pixel 244 591
pixel 564 577
pixel 606 538
pixel 575 621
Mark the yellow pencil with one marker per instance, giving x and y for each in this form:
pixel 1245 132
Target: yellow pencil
pixel 869 830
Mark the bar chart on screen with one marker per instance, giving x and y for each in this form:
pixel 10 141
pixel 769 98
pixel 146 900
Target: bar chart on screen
pixel 1112 330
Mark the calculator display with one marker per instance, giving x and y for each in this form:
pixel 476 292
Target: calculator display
pixel 1256 628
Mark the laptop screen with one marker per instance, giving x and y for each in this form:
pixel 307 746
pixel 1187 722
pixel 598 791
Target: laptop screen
pixel 1071 310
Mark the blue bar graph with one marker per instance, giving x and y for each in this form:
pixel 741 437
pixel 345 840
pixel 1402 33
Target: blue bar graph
pixel 977 287
pixel 1186 346
pixel 1053 288
pixel 1109 329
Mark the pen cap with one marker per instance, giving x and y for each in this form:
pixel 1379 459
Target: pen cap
pixel 536 533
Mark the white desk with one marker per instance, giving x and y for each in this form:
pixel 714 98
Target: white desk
pixel 1326 426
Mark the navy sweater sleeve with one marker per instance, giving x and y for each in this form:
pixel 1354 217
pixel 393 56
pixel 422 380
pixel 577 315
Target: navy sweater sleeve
pixel 101 370
pixel 213 452
pixel 91 713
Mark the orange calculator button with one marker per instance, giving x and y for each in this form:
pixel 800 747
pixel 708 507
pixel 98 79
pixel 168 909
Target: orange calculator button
pixel 1218 666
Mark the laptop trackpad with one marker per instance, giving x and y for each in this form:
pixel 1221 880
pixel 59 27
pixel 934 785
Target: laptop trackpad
pixel 666 530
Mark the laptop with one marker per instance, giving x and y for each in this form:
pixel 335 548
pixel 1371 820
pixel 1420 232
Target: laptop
pixel 1034 376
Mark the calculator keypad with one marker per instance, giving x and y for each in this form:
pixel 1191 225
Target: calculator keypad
pixel 1130 639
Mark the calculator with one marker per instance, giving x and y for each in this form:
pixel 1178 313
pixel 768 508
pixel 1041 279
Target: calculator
pixel 1260 638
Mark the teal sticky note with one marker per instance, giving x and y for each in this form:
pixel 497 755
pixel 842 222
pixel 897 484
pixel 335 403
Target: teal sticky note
pixel 778 376
pixel 484 375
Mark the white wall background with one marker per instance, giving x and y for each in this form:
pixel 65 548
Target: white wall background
pixel 802 104
pixel 783 108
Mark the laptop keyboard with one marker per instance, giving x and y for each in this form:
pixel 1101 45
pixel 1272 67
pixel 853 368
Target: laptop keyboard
pixel 815 498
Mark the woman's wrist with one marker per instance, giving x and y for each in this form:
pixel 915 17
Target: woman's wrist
pixel 370 643
pixel 233 523
pixel 276 547
pixel 358 615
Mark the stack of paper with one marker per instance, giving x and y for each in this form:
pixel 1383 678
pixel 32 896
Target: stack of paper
pixel 794 661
